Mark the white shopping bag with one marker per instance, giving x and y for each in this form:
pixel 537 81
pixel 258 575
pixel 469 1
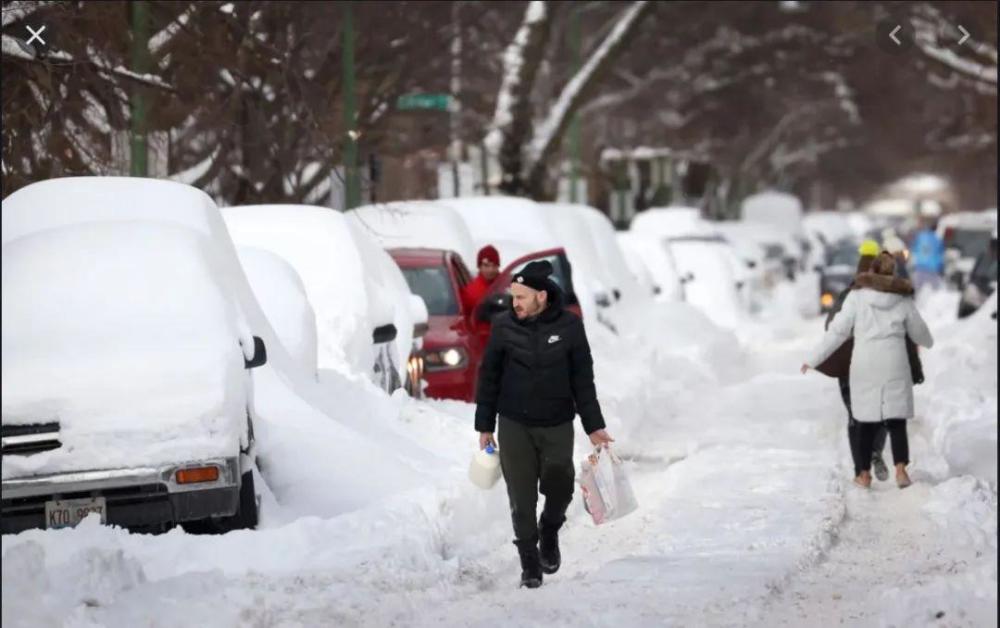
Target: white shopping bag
pixel 607 493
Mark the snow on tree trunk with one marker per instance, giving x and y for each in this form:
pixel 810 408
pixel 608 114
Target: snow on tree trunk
pixel 511 126
pixel 548 134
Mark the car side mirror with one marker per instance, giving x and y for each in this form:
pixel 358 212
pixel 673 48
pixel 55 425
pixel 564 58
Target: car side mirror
pixel 491 306
pixel 259 354
pixel 385 333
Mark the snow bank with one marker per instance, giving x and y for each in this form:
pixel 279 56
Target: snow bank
pixel 957 404
pixel 121 333
pixel 280 293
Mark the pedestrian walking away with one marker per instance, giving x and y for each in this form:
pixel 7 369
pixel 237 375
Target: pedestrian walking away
pixel 838 364
pixel 880 315
pixel 537 374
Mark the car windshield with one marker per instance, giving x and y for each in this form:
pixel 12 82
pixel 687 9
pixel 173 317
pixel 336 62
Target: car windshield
pixel 434 286
pixel 971 242
pixel 844 256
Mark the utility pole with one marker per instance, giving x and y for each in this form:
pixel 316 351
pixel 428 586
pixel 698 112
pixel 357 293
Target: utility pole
pixel 138 161
pixel 574 130
pixel 352 187
pixel 455 105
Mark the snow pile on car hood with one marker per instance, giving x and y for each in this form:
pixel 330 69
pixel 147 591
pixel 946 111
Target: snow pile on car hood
pixel 120 332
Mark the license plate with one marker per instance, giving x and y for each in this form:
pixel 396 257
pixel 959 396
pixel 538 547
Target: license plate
pixel 67 513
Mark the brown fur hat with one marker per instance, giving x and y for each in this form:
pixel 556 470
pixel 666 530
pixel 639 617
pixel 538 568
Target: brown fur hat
pixel 884 283
pixel 864 264
pixel 884 264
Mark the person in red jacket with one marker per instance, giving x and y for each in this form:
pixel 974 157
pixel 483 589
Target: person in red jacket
pixel 488 262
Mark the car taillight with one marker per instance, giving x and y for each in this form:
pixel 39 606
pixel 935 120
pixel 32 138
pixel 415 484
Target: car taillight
pixel 197 474
pixel 949 233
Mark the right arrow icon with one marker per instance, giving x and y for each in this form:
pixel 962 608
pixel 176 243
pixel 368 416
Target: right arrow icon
pixel 965 34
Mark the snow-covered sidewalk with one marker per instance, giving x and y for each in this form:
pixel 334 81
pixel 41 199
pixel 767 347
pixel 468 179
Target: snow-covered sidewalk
pixel 747 517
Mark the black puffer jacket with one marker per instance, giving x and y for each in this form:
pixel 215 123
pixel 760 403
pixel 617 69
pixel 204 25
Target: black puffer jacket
pixel 538 372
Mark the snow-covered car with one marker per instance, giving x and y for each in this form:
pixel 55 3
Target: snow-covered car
pixel 776 262
pixel 126 377
pixel 825 229
pixel 713 288
pixel 605 239
pixel 966 236
pixel 637 265
pixel 280 293
pixel 365 318
pixel 417 224
pixel 654 252
pixel 781 213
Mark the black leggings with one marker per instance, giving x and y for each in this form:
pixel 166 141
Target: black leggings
pixel 866 433
pixel 878 444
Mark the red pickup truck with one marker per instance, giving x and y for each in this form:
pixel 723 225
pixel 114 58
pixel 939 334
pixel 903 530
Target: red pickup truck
pixel 453 348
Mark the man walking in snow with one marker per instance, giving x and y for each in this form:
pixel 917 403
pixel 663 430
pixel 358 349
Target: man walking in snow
pixel 537 373
pixel 488 263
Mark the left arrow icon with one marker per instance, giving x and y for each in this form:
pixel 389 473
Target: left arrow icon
pixel 892 35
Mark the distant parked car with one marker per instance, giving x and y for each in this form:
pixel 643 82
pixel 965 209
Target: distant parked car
pixel 655 253
pixel 966 236
pixel 839 272
pixel 713 287
pixel 982 281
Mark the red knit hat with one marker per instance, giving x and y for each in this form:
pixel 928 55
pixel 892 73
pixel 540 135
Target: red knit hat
pixel 488 253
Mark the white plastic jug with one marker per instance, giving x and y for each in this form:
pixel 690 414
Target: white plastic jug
pixel 484 471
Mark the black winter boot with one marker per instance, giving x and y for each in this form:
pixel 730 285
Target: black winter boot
pixel 548 545
pixel 531 568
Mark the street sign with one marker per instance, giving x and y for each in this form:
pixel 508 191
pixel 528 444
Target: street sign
pixel 438 102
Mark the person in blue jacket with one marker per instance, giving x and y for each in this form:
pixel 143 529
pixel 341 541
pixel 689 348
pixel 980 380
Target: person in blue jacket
pixel 928 257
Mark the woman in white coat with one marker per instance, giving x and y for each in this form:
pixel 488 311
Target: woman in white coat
pixel 881 380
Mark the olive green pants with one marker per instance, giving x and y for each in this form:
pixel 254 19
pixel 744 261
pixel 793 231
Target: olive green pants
pixel 536 459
